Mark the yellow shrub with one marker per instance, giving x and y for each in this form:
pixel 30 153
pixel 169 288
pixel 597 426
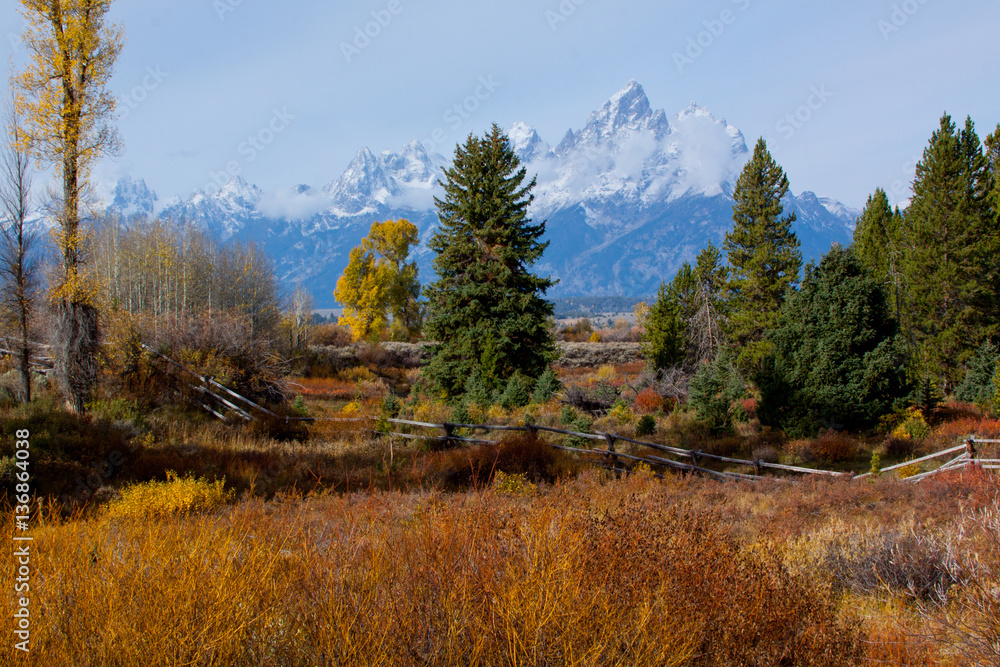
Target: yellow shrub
pixel 432 413
pixel 514 484
pixel 622 414
pixel 595 337
pixel 496 415
pixel 356 374
pixel 606 372
pixel 178 495
pixel 643 469
pixel 915 426
pixel 352 408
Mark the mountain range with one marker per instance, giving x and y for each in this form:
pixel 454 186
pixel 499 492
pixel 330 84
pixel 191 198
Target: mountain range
pixel 627 199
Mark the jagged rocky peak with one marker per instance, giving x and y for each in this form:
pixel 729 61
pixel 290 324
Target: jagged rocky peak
pixel 240 193
pixel 371 181
pixel 413 164
pixel 628 198
pixel 364 179
pixel 133 197
pixel 526 143
pixel 627 112
pixel 696 116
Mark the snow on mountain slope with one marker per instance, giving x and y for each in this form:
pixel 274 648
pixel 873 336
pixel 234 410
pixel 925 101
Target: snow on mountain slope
pixel 628 198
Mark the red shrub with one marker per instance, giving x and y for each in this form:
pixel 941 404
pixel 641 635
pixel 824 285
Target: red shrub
pixel 982 427
pixel 648 401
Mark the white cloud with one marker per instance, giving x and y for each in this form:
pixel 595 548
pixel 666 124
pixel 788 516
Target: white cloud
pixel 292 205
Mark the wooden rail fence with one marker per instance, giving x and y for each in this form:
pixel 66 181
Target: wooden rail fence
pixel 684 460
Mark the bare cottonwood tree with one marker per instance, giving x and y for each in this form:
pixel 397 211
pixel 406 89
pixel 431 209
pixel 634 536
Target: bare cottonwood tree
pixel 300 318
pixel 68 115
pixel 18 266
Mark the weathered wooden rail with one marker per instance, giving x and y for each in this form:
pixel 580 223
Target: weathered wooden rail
pixel 42 364
pixel 613 458
pixel 684 460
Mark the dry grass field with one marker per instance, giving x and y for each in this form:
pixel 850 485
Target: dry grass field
pixel 214 545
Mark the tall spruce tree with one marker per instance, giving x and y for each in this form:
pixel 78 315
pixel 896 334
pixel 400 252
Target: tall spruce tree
pixel 763 254
pixel 665 340
pixel 486 309
pixel 877 246
pixel 992 144
pixel 950 236
pixel 991 246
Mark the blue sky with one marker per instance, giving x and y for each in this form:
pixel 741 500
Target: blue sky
pixel 847 92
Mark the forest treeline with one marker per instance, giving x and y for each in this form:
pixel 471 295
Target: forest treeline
pixel 906 315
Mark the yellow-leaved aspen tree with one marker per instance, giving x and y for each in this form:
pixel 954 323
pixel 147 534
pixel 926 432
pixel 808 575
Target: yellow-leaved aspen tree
pixel 379 282
pixel 68 112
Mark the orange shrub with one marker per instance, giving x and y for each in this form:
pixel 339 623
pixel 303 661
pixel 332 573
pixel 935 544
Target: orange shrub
pixel 983 427
pixel 648 401
pixel 325 388
pixel 800 451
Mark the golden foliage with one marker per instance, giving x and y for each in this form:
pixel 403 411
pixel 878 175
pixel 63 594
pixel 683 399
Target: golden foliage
pixel 66 108
pixel 177 495
pixel 622 414
pixel 379 283
pixel 914 427
pixel 390 579
pixel 514 484
pixel 62 92
pixel 641 313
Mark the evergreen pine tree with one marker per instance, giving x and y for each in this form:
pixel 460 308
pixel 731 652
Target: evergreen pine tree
pixel 547 387
pixel 688 314
pixel 684 288
pixel 977 387
pixel 837 356
pixel 949 265
pixel 665 344
pixel 991 244
pixel 992 143
pixel 876 244
pixel 713 390
pixel 486 306
pixel 763 254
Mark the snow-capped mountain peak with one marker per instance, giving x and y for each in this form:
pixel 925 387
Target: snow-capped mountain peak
pixel 132 197
pixel 626 113
pixel 526 143
pixel 628 198
pixel 389 178
pixel 239 194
